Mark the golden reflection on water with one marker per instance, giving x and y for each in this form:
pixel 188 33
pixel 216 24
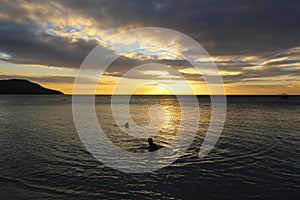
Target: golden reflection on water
pixel 142 113
pixel 169 116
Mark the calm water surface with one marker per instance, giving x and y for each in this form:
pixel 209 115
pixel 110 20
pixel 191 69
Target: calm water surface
pixel 257 155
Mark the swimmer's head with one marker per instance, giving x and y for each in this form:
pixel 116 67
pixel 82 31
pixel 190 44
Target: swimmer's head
pixel 150 141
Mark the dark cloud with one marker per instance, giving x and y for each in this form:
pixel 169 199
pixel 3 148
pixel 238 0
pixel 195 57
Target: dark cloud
pixel 124 64
pixel 283 62
pixel 245 72
pixel 230 27
pixel 30 45
pixel 267 29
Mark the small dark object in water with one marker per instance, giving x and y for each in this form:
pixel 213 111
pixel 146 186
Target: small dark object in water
pixel 152 145
pixel 126 125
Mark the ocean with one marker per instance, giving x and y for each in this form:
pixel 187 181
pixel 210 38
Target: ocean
pixel 256 156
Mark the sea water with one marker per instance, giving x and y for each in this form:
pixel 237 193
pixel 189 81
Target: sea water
pixel 257 155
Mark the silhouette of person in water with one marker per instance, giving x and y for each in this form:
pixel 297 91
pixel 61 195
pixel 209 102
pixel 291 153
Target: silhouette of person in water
pixel 152 145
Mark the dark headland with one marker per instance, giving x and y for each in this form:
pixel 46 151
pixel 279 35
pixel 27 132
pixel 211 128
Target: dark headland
pixel 20 86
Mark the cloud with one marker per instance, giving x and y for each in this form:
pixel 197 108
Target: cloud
pixel 224 27
pixel 248 40
pixel 28 45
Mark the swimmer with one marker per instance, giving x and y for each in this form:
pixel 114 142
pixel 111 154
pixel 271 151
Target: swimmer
pixel 152 145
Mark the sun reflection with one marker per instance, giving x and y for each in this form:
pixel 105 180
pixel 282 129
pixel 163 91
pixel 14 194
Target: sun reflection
pixel 171 120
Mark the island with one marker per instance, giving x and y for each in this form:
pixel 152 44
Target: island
pixel 21 86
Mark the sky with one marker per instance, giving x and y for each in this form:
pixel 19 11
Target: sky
pixel 254 43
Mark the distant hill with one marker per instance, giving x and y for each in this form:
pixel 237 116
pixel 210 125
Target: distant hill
pixel 20 86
